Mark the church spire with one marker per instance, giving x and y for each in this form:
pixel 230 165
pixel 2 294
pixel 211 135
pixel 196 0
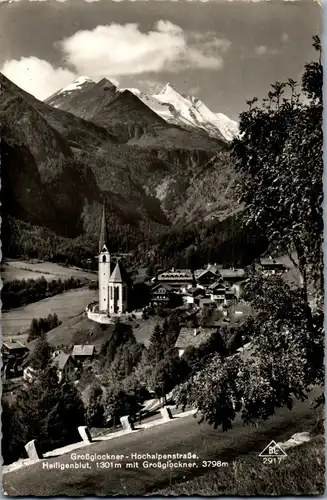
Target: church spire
pixel 103 231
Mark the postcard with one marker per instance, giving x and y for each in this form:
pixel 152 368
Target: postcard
pixel 162 248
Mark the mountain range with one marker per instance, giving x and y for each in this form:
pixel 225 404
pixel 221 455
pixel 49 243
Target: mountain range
pixel 91 143
pixel 175 108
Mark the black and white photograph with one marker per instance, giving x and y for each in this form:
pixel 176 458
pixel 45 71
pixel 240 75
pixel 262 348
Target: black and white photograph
pixel 162 248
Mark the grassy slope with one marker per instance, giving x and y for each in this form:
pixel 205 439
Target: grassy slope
pixel 182 435
pixel 301 473
pixel 80 330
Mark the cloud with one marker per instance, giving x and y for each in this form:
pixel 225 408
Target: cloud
pixel 263 50
pixel 149 86
pixel 37 76
pixel 116 51
pixel 194 90
pixel 210 42
pixel 285 38
pixel 119 50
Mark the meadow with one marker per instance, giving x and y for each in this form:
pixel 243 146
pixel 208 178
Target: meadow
pixel 21 269
pixel 65 305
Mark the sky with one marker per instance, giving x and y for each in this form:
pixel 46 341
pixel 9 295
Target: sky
pixel 224 52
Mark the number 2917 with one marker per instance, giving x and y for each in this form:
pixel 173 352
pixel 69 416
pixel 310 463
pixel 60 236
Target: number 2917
pixel 272 460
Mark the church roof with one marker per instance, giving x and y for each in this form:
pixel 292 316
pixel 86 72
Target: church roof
pixel 103 231
pixel 119 274
pixel 104 249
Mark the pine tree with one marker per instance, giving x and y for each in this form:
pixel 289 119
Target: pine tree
pixel 156 347
pixel 41 355
pixel 33 330
pixel 55 321
pixel 95 409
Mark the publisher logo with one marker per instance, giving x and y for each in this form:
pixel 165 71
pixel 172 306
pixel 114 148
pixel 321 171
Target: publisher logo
pixel 273 453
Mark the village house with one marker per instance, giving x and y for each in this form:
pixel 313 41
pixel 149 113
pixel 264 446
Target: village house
pixel 66 367
pixel 192 337
pixel 192 295
pixel 205 277
pixel 83 352
pixel 217 292
pixel 270 266
pixel 13 354
pixel 160 294
pixel 65 363
pixel 230 296
pixel 176 278
pixel 206 303
pixel 232 276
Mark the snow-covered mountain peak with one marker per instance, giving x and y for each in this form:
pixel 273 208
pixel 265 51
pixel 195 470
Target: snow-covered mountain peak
pixel 168 89
pixel 136 92
pixel 76 84
pixel 188 111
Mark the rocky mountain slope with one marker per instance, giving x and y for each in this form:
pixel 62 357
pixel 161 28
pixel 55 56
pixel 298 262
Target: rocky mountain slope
pixel 100 144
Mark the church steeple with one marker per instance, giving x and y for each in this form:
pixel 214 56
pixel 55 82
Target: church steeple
pixel 103 231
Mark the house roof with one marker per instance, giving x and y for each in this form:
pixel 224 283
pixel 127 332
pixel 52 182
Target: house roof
pixel 119 274
pixel 202 272
pixel 83 350
pixel 16 345
pixel 268 261
pixel 217 284
pixel 205 300
pixel 193 292
pixel 61 359
pixel 232 273
pixel 175 274
pixel 27 359
pixel 161 285
pixel 188 338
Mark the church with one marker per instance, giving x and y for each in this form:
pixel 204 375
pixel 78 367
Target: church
pixel 114 287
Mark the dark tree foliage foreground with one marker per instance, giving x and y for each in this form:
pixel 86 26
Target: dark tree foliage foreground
pixel 45 410
pixel 279 161
pixel 279 158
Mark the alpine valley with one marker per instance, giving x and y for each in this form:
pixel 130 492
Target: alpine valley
pixel 160 164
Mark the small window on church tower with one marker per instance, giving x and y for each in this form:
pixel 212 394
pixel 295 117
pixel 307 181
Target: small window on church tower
pixel 104 258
